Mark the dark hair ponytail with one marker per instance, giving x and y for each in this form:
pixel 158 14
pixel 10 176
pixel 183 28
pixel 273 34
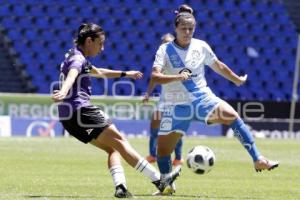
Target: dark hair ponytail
pixel 184 8
pixel 86 30
pixel 184 11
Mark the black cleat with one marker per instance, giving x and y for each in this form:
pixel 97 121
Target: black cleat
pixel 122 192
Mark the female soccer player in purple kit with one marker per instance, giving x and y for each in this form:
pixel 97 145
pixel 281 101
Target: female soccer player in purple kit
pixel 88 123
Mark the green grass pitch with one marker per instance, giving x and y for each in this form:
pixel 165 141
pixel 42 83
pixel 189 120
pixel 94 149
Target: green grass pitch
pixel 63 168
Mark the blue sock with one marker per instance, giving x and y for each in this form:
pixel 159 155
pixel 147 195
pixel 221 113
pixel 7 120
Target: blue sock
pixel 245 137
pixel 164 164
pixel 178 149
pixel 153 141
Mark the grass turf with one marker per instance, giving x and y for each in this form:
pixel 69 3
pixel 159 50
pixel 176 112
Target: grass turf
pixel 63 168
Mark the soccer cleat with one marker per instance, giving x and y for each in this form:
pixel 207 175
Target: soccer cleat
pixel 166 184
pixel 122 192
pixel 170 189
pixel 262 163
pixel 151 159
pixel 177 162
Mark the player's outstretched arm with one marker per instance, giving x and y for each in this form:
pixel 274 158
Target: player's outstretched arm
pixel 59 95
pixel 150 88
pixel 159 78
pixel 108 73
pixel 222 69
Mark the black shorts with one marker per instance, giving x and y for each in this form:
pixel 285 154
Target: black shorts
pixel 87 123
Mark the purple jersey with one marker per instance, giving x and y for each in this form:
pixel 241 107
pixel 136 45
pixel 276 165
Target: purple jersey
pixel 80 92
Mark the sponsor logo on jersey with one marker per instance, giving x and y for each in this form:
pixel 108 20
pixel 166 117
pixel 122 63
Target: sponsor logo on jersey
pixel 189 71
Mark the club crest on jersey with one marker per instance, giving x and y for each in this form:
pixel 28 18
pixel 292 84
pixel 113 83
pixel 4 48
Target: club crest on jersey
pixel 195 54
pixel 166 124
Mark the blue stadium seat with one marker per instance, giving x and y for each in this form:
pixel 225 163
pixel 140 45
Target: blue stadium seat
pixel 153 14
pixel 43 22
pixel 237 17
pixel 219 16
pixel 29 2
pixel 38 10
pixel 230 5
pixel 246 5
pixel 202 15
pixel 25 22
pixel 58 23
pixel 5 10
pixel 20 10
pixel 31 34
pixel 53 10
pixel 261 6
pixel 70 11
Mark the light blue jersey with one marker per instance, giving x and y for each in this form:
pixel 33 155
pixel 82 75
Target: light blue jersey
pixel 185 100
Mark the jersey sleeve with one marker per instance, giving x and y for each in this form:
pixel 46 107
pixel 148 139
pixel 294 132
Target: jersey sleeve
pixel 210 56
pixel 77 62
pixel 160 57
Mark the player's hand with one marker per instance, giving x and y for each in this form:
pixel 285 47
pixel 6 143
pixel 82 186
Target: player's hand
pixel 58 95
pixel 185 75
pixel 134 74
pixel 145 98
pixel 242 80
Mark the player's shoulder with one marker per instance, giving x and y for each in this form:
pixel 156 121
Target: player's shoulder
pixel 164 45
pixel 75 55
pixel 199 42
pixel 162 49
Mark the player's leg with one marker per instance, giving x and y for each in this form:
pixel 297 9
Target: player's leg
pixel 174 124
pixel 178 160
pixel 113 138
pixel 165 146
pixel 154 126
pixel 99 130
pixel 225 114
pixel 116 170
pixel 88 123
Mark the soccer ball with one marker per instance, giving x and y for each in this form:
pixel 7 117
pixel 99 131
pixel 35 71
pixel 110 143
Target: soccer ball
pixel 201 159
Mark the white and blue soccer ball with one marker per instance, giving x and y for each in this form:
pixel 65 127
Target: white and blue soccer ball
pixel 201 159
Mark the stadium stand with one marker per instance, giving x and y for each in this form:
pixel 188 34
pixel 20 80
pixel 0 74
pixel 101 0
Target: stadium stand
pixel 255 37
pixel 13 75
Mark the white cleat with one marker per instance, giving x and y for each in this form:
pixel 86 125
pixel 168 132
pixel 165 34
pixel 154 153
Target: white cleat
pixel 263 163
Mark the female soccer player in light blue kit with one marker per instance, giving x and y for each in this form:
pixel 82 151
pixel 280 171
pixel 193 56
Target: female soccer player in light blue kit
pixel 179 67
